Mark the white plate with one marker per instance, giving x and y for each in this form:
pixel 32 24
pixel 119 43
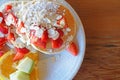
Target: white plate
pixel 63 66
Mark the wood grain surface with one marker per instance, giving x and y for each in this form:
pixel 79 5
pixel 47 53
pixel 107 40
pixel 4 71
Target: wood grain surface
pixel 101 20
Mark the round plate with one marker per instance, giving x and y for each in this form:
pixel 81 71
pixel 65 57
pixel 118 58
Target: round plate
pixel 63 66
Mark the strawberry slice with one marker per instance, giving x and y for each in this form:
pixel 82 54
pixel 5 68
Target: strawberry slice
pixel 40 44
pixel 18 56
pixel 57 43
pixel 11 37
pixel 3 28
pixel 44 37
pixel 1 18
pixel 22 50
pixel 60 32
pixel 62 21
pixel 20 53
pixel 1 53
pixel 2 41
pixel 11 19
pixel 72 48
pixel 8 7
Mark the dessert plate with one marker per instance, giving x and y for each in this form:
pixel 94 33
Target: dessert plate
pixel 63 66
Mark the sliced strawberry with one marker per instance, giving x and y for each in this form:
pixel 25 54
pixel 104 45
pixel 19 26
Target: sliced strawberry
pixel 1 14
pixel 1 18
pixel 22 50
pixel 72 48
pixel 60 32
pixel 11 19
pixel 62 21
pixel 11 36
pixel 44 37
pixel 2 41
pixel 1 53
pixel 3 28
pixel 8 7
pixel 57 43
pixel 18 56
pixel 40 44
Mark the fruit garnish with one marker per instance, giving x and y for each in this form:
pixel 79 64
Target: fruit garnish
pixel 1 18
pixel 22 50
pixel 2 41
pixel 72 48
pixel 1 53
pixel 18 56
pixel 8 7
pixel 20 53
pixel 19 75
pixel 60 32
pixel 57 43
pixel 11 37
pixel 44 37
pixel 3 28
pixel 40 44
pixel 26 65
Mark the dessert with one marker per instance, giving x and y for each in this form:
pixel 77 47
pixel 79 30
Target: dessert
pixel 27 27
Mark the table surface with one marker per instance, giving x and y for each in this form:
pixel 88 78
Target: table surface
pixel 101 20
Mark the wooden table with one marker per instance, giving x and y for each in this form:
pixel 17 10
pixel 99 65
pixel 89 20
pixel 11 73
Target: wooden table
pixel 101 20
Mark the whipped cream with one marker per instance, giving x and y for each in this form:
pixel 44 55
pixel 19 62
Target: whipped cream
pixel 53 34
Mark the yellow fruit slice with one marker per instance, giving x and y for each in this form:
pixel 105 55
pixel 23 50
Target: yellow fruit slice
pixel 7 65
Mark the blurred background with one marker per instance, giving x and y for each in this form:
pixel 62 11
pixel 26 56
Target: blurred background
pixel 101 20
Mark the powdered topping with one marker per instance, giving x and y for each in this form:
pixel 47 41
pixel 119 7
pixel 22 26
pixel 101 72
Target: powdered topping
pixel 35 24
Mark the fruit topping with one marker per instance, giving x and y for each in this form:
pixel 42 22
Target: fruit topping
pixel 72 48
pixel 57 43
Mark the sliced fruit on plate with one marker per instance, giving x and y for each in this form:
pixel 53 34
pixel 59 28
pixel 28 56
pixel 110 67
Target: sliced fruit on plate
pixel 57 43
pixel 26 65
pixel 10 67
pixel 20 53
pixel 44 37
pixel 39 43
pixel 19 75
pixel 3 28
pixel 1 18
pixel 72 48
pixel 8 8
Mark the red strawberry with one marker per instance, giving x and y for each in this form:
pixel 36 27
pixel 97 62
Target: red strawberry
pixel 1 53
pixel 8 7
pixel 60 32
pixel 1 16
pixel 40 44
pixel 72 48
pixel 2 41
pixel 20 53
pixel 11 37
pixel 22 50
pixel 57 43
pixel 3 28
pixel 44 37
pixel 18 56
